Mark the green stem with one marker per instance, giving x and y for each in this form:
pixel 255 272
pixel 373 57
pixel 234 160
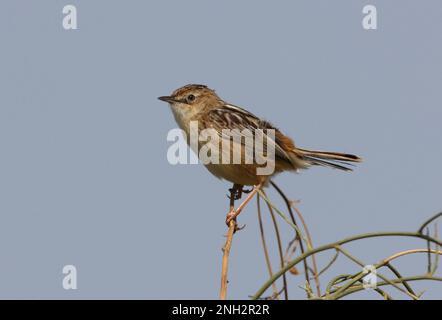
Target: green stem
pixel 400 280
pixel 300 258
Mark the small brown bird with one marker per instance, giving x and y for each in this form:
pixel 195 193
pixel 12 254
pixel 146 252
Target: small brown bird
pixel 195 102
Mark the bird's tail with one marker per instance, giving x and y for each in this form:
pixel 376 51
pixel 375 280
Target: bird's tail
pixel 334 160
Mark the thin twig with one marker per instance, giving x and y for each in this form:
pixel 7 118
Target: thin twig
pixel 227 246
pixel 332 246
pixel 399 276
pixel 338 279
pixel 428 253
pixel 283 216
pixel 436 259
pixel 226 252
pixel 291 248
pixel 338 294
pixel 362 264
pixel 281 255
pixel 292 216
pixel 407 252
pixel 421 229
pixel 310 245
pixel 330 263
pixel 401 280
pixel 230 232
pixel 265 249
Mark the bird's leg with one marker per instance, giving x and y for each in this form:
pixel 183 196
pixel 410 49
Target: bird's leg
pixel 237 190
pixel 235 194
pixel 234 213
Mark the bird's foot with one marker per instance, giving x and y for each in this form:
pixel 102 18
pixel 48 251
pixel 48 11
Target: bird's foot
pixel 247 191
pixel 231 216
pixel 235 192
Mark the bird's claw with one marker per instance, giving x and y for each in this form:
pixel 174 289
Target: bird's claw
pixel 230 216
pixel 247 191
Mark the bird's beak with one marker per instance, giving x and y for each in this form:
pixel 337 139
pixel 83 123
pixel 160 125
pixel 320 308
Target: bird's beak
pixel 168 99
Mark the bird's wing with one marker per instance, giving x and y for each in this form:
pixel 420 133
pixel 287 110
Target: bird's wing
pixel 233 117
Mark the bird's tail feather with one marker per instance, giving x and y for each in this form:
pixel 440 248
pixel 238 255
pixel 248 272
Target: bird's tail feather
pixel 334 160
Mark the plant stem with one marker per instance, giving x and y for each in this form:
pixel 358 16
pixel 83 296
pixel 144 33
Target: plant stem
pixel 264 247
pixel 230 233
pixel 333 245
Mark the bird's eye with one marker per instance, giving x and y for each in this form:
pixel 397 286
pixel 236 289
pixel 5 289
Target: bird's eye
pixel 190 98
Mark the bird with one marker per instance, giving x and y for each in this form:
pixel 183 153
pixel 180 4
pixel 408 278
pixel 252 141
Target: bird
pixel 199 103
